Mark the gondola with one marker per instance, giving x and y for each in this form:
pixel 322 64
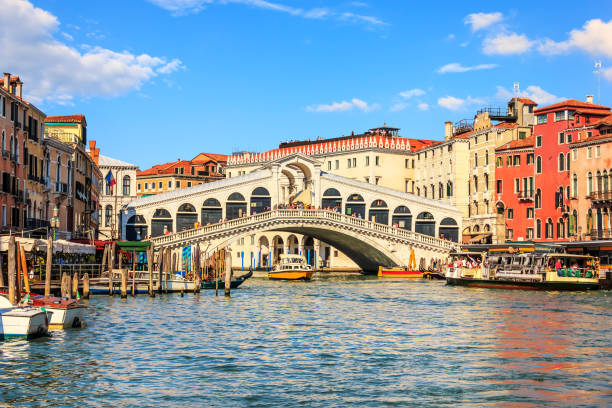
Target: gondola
pixel 235 282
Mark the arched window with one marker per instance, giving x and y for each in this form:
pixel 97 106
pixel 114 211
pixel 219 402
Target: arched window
pixel 433 191
pixel 574 185
pixel 599 181
pixel 475 184
pixel 449 189
pixel 567 162
pixel 379 212
pixel 549 228
pixel 539 164
pixel 425 224
pixel 486 181
pixel 355 205
pixel 589 183
pixel 211 211
pixel 538 228
pixel 538 198
pixel 331 199
pixel 440 191
pixel 606 185
pixel 561 162
pixel 475 159
pixel 402 218
pixel 126 185
pixel 186 217
pixel 560 228
pixel 12 146
pixel 58 170
pixel 3 142
pixel 161 222
pixel 108 216
pixel 236 206
pixel 573 218
pixel 449 229
pixel 260 200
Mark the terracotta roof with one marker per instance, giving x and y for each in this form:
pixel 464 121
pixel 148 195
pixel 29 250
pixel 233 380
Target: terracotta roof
pixel 206 157
pixel 518 144
pixel 465 135
pixel 526 101
pixel 418 144
pixel 507 125
pixel 67 119
pixel 607 120
pixel 573 103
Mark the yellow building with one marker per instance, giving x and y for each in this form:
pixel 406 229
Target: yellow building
pixel 85 176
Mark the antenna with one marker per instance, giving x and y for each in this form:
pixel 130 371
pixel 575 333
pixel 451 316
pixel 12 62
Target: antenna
pixel 517 89
pixel 598 71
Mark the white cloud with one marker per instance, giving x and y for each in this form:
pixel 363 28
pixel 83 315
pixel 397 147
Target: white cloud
pixel 607 73
pixel 452 103
pixel 506 44
pixel 478 21
pixel 343 106
pixel 457 67
pixel 533 92
pixel 595 38
pixel 412 92
pixel 399 106
pixel 182 7
pixel 56 72
pixel 423 106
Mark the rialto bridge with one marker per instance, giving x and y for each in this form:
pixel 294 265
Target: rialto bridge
pixel 371 225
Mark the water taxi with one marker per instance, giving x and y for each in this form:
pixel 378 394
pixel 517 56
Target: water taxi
pixel 291 267
pixel 536 271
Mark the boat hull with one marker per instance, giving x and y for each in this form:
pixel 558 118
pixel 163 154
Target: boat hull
pixel 290 275
pixel 23 323
pixel 234 284
pixel 523 285
pixel 66 318
pixel 399 273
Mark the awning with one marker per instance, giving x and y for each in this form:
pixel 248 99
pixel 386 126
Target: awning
pixel 479 237
pixel 59 246
pixel 27 243
pixel 129 246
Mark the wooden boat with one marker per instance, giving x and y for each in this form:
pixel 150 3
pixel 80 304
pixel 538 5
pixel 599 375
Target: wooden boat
pixel 22 321
pixel 175 283
pixel 398 272
pixel 291 267
pixel 65 313
pixel 523 271
pixel 234 284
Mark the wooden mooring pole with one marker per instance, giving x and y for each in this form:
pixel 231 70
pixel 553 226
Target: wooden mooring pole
pixel 123 283
pixel 167 267
pixel 75 284
pixel 228 272
pixel 48 267
pixel 133 272
pixel 11 271
pixel 150 263
pixel 86 285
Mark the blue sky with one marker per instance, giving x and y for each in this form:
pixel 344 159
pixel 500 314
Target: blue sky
pixel 163 79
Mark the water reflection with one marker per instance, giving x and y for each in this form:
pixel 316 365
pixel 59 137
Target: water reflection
pixel 329 342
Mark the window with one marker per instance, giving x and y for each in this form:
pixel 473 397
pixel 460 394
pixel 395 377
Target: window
pixel 177 184
pixel 522 134
pixel 539 165
pixel 542 119
pixel 378 159
pixel 530 212
pixel 561 138
pixel 499 187
pixel 570 115
pixel 574 154
pixel 509 234
pixel 529 233
pixel 108 216
pixel 597 151
pixel 4 215
pixel 189 184
pixel 176 170
pixel 539 228
pixel 146 186
pixel 538 198
pixel 508 161
pixel 517 185
pixel 449 189
pixel 169 185
pixel 337 164
pixel 538 141
pixel 329 165
pixel 568 138
pixel 589 183
pixel 182 170
pixel 560 115
pixel 499 162
pixel 589 152
pixel 354 162
pixel 126 185
pixel 510 213
pixel 486 157
pixel 348 164
pixel 517 160
pixel 549 228
pixel 138 186
pixel 475 183
pixel 486 182
pixel 475 159
pixel 406 163
pixel 561 162
pixel 367 160
pixel 574 185
pixel 529 158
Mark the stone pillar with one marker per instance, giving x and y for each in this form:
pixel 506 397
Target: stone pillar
pixel 275 192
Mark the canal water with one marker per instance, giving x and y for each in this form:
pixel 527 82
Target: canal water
pixel 327 343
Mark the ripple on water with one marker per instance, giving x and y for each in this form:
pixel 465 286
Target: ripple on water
pixel 325 343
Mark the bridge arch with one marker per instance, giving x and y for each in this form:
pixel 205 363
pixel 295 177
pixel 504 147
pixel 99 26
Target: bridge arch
pixel 379 212
pixel 161 222
pixel 425 224
pixel 402 218
pixel 260 200
pixel 355 205
pixel 186 217
pixel 212 212
pixel 235 206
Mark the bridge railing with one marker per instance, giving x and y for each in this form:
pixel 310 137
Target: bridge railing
pixel 301 214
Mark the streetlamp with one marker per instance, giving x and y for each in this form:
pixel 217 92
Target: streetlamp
pixel 55 221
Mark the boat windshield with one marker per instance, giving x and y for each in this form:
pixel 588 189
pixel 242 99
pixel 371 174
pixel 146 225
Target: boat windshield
pixel 290 260
pixel 565 261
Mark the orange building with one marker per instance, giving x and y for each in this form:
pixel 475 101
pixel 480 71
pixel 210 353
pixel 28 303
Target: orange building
pixel 203 168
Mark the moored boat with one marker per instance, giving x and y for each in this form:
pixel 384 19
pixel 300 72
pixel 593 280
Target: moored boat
pixel 212 284
pixel 291 267
pixel 399 272
pixel 65 313
pixel 22 322
pixel 535 271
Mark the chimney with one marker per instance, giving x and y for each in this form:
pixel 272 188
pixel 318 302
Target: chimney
pixel 94 152
pixel 19 87
pixel 448 130
pixel 7 80
pixel 589 98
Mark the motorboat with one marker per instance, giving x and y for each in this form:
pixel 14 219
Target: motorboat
pixel 236 282
pixel 291 267
pixel 22 321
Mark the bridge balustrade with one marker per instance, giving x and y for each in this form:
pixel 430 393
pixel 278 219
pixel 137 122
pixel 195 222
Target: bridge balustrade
pixel 187 235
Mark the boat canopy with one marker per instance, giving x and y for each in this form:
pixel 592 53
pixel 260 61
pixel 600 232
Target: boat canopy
pixel 129 246
pixel 59 246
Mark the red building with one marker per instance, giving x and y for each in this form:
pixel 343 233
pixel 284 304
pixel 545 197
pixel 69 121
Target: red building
pixel 552 163
pixel 514 187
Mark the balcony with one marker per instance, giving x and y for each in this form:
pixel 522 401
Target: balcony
pixel 601 234
pixel 526 195
pixel 498 114
pixel 61 188
pixel 600 196
pixel 33 177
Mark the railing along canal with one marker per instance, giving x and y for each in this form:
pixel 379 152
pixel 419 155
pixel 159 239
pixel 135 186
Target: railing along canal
pixel 305 216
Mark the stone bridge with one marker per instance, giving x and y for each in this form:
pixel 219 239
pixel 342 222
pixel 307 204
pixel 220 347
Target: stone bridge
pixel 372 225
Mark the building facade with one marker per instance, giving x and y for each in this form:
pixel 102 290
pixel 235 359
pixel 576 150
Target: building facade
pixel 84 176
pixel 161 178
pixel 557 127
pixel 114 198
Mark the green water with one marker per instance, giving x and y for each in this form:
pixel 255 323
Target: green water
pixel 326 343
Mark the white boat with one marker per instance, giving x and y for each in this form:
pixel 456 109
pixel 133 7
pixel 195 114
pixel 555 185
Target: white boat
pixel 176 283
pixel 27 322
pixel 65 313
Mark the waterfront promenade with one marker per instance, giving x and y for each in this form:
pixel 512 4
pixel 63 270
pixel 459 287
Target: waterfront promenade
pixel 333 342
